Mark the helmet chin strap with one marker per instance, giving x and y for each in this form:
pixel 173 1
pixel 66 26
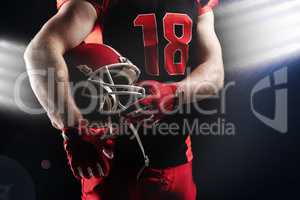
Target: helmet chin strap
pixel 132 128
pixel 146 158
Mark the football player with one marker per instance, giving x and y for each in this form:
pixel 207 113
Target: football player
pixel 174 45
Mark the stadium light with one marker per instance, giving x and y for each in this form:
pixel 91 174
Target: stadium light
pixel 257 32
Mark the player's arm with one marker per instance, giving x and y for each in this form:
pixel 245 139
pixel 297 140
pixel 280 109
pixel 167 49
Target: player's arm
pixel 67 29
pixel 208 77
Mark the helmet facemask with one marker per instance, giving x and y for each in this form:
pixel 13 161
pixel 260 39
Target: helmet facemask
pixel 114 85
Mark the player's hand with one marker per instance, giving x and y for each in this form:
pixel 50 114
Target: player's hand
pixel 160 101
pixel 89 151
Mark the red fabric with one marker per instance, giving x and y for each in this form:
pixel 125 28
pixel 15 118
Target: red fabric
pixel 174 183
pixel 206 7
pixel 95 37
pixel 189 152
pixel 60 3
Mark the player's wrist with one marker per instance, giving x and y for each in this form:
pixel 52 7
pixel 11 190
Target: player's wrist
pixel 72 119
pixel 62 119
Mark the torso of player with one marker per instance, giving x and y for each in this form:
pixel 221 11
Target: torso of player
pixel 157 36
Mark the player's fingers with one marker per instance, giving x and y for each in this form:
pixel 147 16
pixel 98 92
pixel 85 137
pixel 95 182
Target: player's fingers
pixel 85 173
pixel 99 169
pixel 95 171
pixel 90 172
pixel 80 173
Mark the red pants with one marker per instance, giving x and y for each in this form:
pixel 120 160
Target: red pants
pixel 174 183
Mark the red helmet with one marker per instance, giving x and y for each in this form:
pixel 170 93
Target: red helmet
pixel 105 76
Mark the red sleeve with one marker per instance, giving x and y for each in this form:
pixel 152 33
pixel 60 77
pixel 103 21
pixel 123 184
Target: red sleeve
pixel 96 3
pixel 205 6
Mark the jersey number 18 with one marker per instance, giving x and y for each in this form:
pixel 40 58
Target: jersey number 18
pixel 176 45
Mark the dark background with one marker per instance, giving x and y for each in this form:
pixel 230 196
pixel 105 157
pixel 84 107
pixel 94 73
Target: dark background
pixel 257 163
